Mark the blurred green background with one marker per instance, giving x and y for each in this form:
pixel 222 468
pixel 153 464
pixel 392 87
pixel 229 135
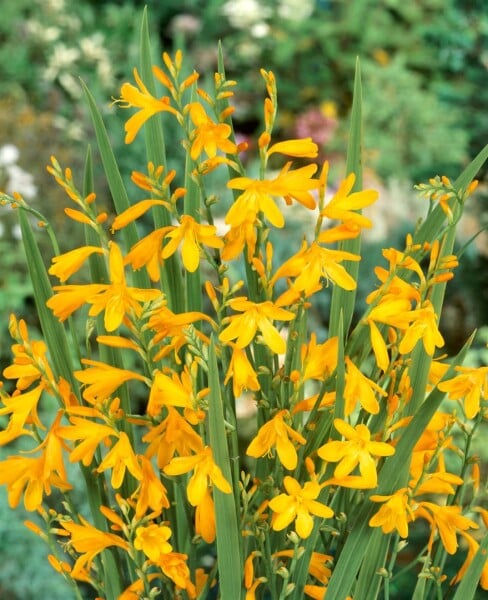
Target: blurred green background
pixel 425 84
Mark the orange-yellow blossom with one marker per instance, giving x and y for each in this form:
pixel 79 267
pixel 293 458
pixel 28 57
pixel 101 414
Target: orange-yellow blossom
pixel 360 388
pixel 205 470
pixel 423 327
pixel 121 457
pixel 395 513
pixel 357 450
pixel 140 97
pixel 208 136
pixel 447 521
pixel 70 262
pixel 173 435
pixel 191 235
pixel 151 493
pixel 310 265
pixel 470 386
pixel 153 540
pixel 243 375
pixel 258 195
pixel 103 379
pixel 205 525
pixel 116 299
pixel 301 148
pixel 91 435
pixel 344 206
pixel 22 408
pixel 277 434
pixel 319 360
pixel 89 541
pixel 176 390
pixel 298 504
pixel 257 316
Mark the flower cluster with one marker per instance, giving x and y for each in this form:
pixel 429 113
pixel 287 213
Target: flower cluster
pixel 349 434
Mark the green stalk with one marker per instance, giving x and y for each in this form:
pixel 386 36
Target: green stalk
pixel 229 550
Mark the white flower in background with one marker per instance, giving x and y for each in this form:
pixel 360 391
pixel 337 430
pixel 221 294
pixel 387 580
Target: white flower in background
pixel 9 155
pixel 92 47
pixel 52 5
pixel 61 58
pixel 70 84
pixel 260 30
pixel 296 10
pixel 243 14
pixel 41 33
pixel 14 178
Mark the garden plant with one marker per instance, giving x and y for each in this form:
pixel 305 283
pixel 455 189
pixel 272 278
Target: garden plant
pixel 222 447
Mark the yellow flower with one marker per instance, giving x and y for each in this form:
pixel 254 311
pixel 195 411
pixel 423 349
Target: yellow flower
pixel 208 136
pixel 191 235
pixel 116 298
pixel 423 327
pixel 301 148
pixel 447 520
pixel 394 513
pixel 204 469
pixel 309 266
pixel 244 377
pixel 360 388
pixel 205 518
pixel 89 541
pixel 171 436
pixel 102 379
pixel 149 106
pixel 470 386
pixel 343 205
pixel 90 434
pixel 319 360
pixel 68 263
pixel 173 565
pixel 172 391
pixel 258 195
pixel 120 458
pixel 256 316
pixel 22 408
pixel 237 238
pixel 153 540
pixel 277 434
pixel 298 504
pixel 151 493
pixel 356 450
pixel 317 566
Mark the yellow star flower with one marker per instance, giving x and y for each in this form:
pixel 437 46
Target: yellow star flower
pixel 208 136
pixel 277 434
pixel 298 504
pixel 244 377
pixel 120 458
pixel 151 493
pixel 173 435
pixel 258 195
pixel 90 433
pixel 149 106
pixel 343 205
pixel 191 235
pixel 256 316
pixel 470 386
pixel 89 541
pixel 395 513
pixel 102 379
pixel 423 327
pixel 319 360
pixel 360 388
pixel 116 298
pixel 309 266
pixel 356 450
pixel 68 263
pixel 153 540
pixel 204 471
pixel 473 546
pixel 447 520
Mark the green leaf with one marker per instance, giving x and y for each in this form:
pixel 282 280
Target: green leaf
pixel 228 535
pixel 343 300
pixel 54 333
